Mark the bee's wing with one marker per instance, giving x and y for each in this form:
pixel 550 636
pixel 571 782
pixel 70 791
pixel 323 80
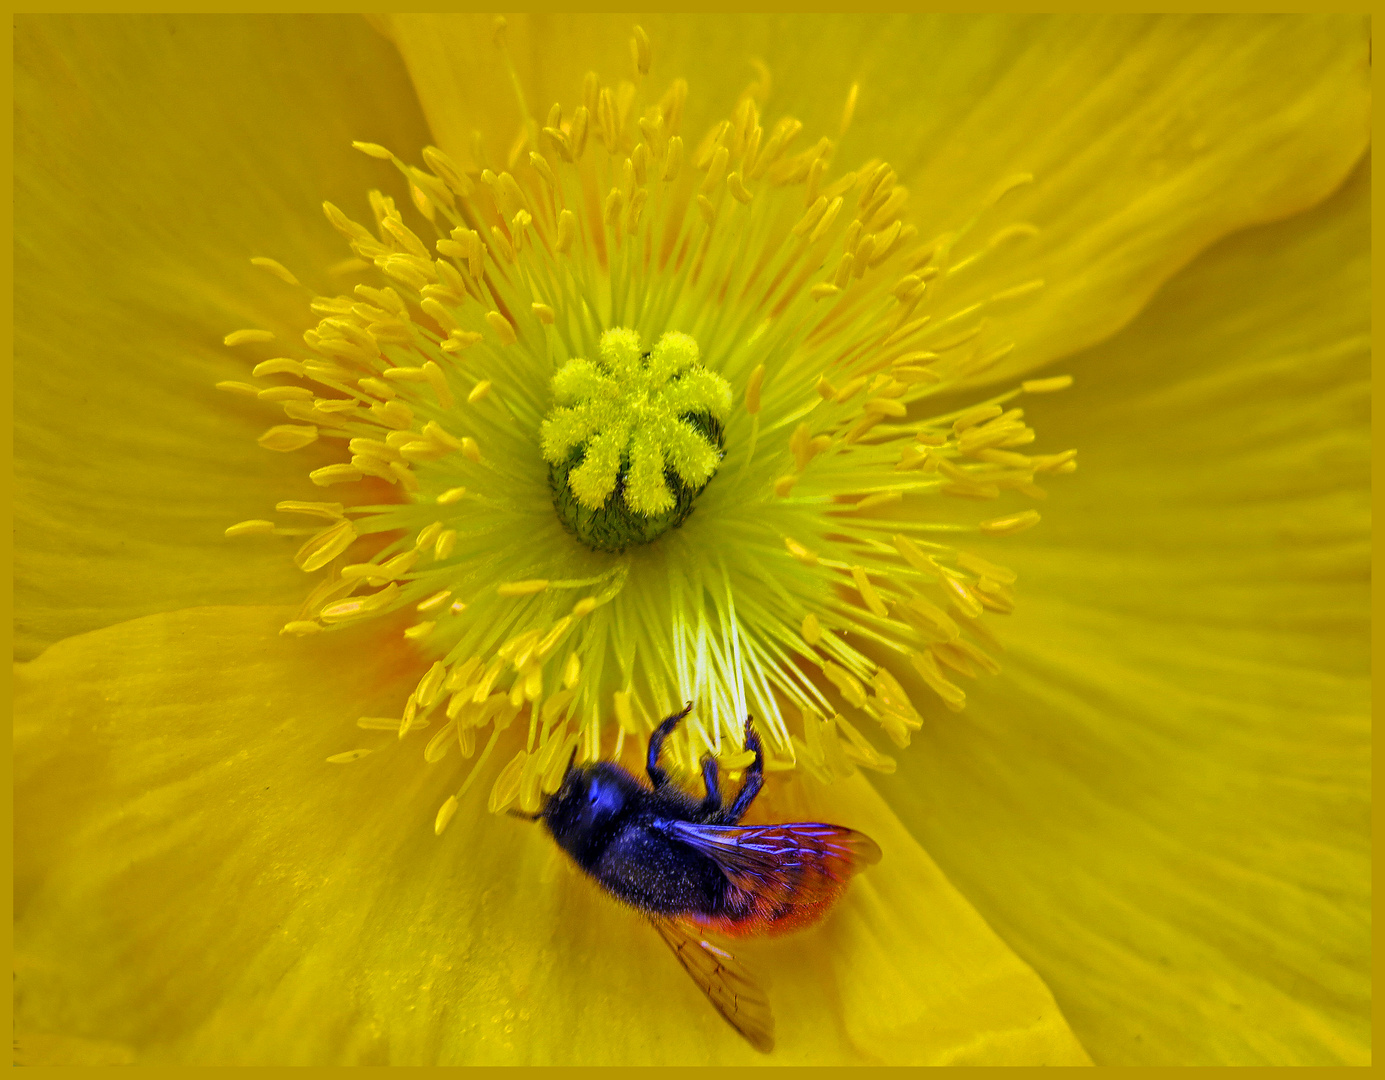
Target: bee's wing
pixel 725 981
pixel 793 862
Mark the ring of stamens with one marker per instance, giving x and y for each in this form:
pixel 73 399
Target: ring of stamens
pixel 807 295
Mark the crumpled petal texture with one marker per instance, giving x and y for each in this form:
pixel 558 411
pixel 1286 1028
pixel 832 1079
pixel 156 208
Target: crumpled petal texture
pixel 1149 138
pixel 154 157
pixel 1161 805
pixel 178 825
pixel 1163 802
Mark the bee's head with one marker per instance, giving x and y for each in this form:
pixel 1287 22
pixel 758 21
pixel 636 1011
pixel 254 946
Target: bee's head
pixel 586 805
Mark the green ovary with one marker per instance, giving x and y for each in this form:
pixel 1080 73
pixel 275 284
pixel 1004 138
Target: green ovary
pixel 633 439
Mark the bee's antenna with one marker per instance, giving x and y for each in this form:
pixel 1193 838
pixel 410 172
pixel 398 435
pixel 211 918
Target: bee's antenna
pixel 523 816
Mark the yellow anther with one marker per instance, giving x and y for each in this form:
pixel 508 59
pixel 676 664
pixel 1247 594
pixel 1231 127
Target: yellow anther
pixel 277 269
pixel 501 243
pixel 872 502
pixel 978 415
pixel 331 511
pixel 615 203
pixel 522 588
pixel 502 327
pixel 286 437
pixel 799 552
pixel 561 143
pixel 437 380
pixel 851 389
pixel 440 315
pixel 913 556
pixel 325 546
pixel 541 166
pixel 815 171
pixel 849 110
pixel 640 51
pixel 752 389
pixel 375 150
pixel 953 696
pixel 674 161
pixel 460 340
pixel 251 528
pixel 348 757
pixel 1009 184
pixel 1005 526
pixel 246 337
pixel 1017 231
pixel 1046 386
pixel 830 216
pixel 280 366
pixel 811 217
pixel 432 603
pixel 737 189
pixel 567 231
pixel 868 592
pixel 577 139
pixel 428 535
pixel 716 170
pixel 888 210
pixel 886 407
pixel 846 683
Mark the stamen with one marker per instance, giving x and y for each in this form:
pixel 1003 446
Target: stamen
pixel 509 308
pixel 1046 386
pixel 245 337
pixel 348 756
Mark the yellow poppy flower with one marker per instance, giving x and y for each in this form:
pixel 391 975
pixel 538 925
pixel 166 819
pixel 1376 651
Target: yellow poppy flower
pixel 1145 840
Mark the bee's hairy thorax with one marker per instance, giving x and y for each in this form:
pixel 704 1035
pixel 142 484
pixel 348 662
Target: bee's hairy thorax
pixel 610 824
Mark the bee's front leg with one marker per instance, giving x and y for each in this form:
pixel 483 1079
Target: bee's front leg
pixel 754 779
pixel 657 776
pixel 711 805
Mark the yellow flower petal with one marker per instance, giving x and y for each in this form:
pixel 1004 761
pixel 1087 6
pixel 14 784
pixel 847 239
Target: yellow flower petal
pixel 916 976
pixel 115 827
pixel 1163 804
pixel 1148 139
pixel 154 158
pixel 197 882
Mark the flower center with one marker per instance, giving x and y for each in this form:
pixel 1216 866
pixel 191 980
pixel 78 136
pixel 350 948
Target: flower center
pixel 634 438
pixel 544 348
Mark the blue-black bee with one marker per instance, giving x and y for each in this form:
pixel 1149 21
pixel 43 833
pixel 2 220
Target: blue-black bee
pixel 690 868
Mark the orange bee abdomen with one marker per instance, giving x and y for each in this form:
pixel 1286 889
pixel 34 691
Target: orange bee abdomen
pixel 767 919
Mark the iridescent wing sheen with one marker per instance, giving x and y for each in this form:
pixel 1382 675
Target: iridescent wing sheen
pixel 794 862
pixel 725 981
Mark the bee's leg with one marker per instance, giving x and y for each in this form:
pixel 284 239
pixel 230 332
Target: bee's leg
pixel 711 805
pixel 523 816
pixel 754 778
pixel 657 776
